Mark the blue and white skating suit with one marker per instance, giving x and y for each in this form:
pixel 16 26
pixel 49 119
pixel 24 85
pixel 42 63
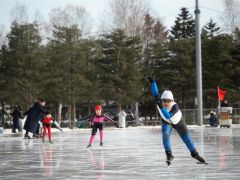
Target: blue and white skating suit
pixel 172 118
pixel 172 115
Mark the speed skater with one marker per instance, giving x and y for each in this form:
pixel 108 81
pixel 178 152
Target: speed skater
pixel 172 118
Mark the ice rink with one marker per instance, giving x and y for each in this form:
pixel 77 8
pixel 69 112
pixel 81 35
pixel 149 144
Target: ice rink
pixel 133 153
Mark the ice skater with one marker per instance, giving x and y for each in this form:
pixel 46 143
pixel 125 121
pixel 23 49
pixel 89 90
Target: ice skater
pixel 172 118
pixel 96 122
pixel 47 127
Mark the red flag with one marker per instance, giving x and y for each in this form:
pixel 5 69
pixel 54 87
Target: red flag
pixel 221 94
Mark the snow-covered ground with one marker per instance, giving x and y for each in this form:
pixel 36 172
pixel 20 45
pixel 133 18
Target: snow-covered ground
pixel 132 153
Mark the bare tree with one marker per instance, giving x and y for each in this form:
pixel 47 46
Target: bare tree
pixel 231 14
pixel 153 30
pixel 19 13
pixel 236 35
pixel 127 15
pixel 2 35
pixel 69 16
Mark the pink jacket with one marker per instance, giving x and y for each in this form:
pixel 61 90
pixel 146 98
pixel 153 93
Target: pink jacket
pixel 99 119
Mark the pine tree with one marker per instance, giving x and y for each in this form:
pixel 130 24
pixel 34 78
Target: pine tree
pixel 22 63
pixel 118 69
pixel 3 69
pixel 181 73
pixel 218 66
pixel 211 29
pixel 234 96
pixel 66 68
pixel 91 91
pixel 182 60
pixel 184 26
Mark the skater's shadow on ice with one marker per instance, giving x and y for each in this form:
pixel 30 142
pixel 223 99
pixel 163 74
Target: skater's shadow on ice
pixel 97 160
pixel 49 164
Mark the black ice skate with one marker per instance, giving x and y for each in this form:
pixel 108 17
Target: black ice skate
pixel 101 144
pixel 169 157
pixel 89 146
pixel 200 159
pixel 36 136
pixel 26 136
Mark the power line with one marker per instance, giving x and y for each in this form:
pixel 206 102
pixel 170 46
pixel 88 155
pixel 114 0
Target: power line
pixel 211 9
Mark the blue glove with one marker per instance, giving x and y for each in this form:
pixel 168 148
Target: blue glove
pixel 156 94
pixel 154 89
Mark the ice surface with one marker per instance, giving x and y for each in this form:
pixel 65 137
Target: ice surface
pixel 134 153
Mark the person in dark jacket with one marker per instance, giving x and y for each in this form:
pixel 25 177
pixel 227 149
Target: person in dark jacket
pixel 225 103
pixel 16 114
pixel 33 116
pixel 213 121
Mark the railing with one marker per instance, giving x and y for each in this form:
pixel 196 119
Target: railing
pixel 190 117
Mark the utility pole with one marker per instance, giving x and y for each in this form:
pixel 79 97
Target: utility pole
pixel 3 122
pixel 198 65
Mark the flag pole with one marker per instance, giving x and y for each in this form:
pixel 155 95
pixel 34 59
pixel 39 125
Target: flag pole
pixel 219 103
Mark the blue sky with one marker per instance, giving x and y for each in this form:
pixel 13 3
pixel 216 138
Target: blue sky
pixel 166 9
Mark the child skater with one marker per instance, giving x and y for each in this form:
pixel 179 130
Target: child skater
pixel 96 122
pixel 47 127
pixel 172 118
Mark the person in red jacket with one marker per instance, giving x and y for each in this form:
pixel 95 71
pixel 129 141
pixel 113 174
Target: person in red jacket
pixel 96 122
pixel 47 126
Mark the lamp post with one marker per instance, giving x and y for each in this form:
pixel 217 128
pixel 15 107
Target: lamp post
pixel 198 65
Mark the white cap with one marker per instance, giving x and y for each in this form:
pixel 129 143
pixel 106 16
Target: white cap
pixel 212 112
pixel 167 95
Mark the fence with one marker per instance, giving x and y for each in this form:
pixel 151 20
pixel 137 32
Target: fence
pixel 189 116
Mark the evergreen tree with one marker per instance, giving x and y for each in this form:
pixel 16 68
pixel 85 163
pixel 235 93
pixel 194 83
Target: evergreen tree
pixel 218 66
pixel 184 26
pixel 119 68
pixel 182 60
pixel 3 69
pixel 66 68
pixel 22 63
pixel 211 29
pixel 91 91
pixel 235 53
pixel 181 73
